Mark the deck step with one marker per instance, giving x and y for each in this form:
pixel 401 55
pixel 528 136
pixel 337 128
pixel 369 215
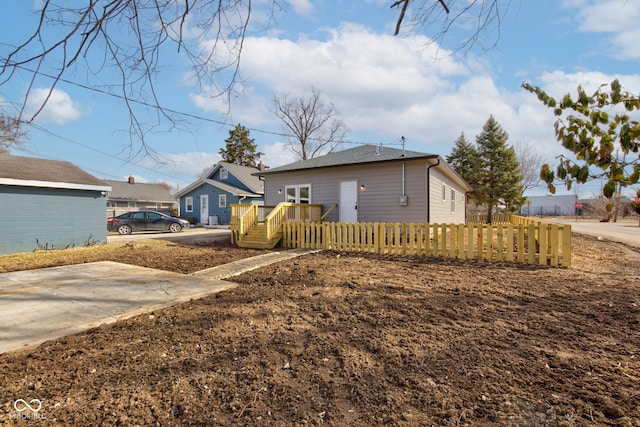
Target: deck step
pixel 256 238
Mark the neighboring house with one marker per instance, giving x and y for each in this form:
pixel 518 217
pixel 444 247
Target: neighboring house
pixel 127 196
pixel 49 204
pixel 553 205
pixel 372 184
pixel 209 199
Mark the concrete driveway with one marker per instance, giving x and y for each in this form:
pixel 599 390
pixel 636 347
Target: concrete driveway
pixel 39 305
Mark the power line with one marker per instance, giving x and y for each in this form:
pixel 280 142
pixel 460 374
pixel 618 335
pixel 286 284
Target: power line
pixel 170 110
pixel 64 138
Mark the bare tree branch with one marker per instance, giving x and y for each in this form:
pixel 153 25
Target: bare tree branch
pixel 11 134
pixel 439 18
pixel 315 126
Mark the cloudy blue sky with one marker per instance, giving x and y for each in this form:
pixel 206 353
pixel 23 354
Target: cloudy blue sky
pixel 383 86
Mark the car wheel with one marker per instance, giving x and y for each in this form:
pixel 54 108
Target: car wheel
pixel 175 227
pixel 124 229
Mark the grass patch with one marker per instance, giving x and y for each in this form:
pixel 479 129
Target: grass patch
pixel 57 257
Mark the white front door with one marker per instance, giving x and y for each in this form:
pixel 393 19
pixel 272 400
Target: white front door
pixel 348 201
pixel 204 209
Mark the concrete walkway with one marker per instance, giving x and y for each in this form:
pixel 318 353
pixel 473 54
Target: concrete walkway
pixel 43 304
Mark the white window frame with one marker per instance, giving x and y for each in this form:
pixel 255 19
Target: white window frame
pixel 222 200
pixel 188 204
pixel 132 205
pixel 224 174
pixel 296 189
pixel 453 200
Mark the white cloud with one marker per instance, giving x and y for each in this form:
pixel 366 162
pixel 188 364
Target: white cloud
pixel 386 87
pixel 59 108
pixel 277 154
pixel 302 7
pixel 187 166
pixel 619 18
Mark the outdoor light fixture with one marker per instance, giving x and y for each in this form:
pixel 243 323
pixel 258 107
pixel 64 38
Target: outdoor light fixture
pixel 280 191
pixel 362 187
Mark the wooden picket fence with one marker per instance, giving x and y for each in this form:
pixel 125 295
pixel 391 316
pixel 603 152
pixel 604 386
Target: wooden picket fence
pixel 522 240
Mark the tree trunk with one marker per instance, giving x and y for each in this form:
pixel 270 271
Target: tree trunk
pixel 489 211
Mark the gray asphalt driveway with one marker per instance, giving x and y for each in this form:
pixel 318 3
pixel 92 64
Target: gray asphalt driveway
pixel 625 230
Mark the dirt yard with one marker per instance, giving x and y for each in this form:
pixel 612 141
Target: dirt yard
pixel 345 339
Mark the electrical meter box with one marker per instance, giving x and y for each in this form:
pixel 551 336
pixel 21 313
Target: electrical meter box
pixel 404 200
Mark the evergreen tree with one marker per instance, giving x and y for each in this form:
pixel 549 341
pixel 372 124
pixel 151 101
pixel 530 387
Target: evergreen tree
pixel 464 159
pixel 240 149
pixel 499 180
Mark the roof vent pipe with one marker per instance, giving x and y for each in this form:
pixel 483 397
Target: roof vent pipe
pixel 131 179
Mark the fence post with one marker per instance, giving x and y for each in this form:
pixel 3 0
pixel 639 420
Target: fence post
pixel 460 241
pixel 566 245
pixel 542 243
pixel 532 244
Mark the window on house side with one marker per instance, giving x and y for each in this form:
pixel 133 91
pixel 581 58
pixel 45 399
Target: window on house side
pixel 132 205
pixel 222 200
pixel 453 200
pixel 223 173
pixel 188 202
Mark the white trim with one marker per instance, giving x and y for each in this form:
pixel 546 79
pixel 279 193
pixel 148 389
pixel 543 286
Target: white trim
pixel 51 184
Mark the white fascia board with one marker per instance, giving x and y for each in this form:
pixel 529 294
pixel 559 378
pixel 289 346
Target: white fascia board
pixel 51 184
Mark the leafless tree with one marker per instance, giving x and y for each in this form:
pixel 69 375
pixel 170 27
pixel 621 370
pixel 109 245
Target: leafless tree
pixel 128 38
pixel 88 44
pixel 437 18
pixel 314 125
pixel 530 162
pixel 11 134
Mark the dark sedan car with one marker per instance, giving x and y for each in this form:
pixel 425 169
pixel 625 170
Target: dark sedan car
pixel 145 221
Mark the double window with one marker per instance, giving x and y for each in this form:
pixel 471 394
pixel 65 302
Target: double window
pixel 298 193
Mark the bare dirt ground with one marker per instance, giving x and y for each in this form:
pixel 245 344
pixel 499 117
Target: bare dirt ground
pixel 345 339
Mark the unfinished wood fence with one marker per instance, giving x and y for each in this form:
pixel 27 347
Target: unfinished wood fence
pixel 527 241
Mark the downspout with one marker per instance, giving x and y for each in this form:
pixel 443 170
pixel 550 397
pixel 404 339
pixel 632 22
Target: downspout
pixel 429 189
pixel 403 193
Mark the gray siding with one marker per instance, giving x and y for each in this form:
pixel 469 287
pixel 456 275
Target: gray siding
pixel 55 217
pixel 442 210
pixel 380 199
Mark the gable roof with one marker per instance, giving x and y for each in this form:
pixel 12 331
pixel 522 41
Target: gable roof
pixel 246 175
pixel 236 191
pixel 141 192
pixel 366 154
pixel 358 155
pixel 34 172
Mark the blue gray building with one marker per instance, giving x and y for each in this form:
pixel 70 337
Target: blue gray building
pixel 208 200
pixel 49 204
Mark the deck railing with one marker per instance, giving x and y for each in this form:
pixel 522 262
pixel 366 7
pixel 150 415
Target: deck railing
pixel 534 242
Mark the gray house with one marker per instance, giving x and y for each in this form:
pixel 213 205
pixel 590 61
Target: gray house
pixel 208 200
pixel 126 196
pixel 372 184
pixel 48 203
